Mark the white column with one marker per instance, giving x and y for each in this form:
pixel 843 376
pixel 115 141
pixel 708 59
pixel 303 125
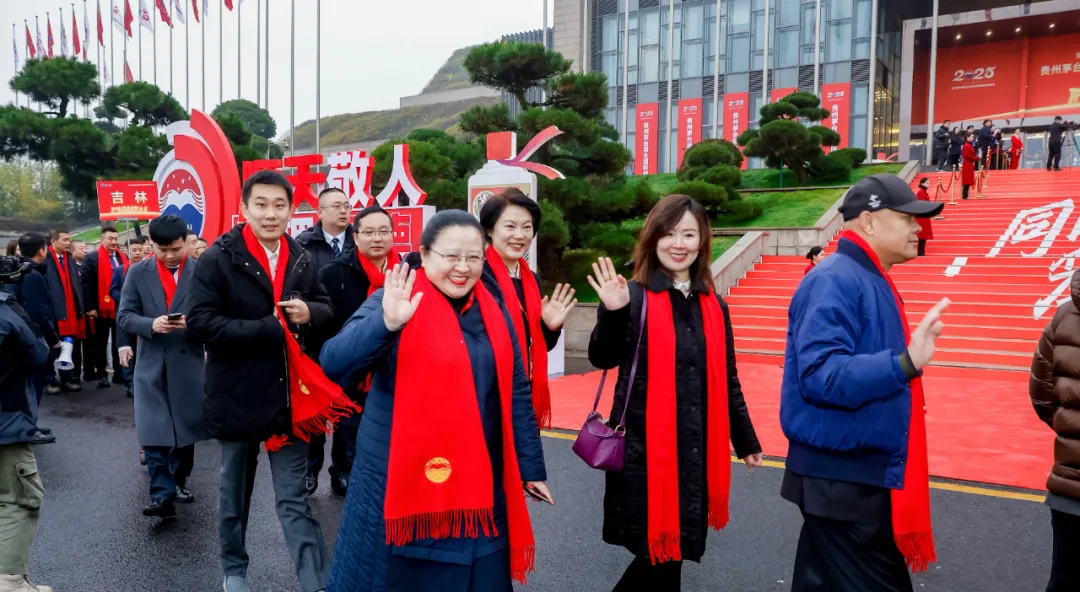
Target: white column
pixel 817 47
pixel 292 80
pixel 933 88
pixel 873 84
pixel 670 69
pixel 765 63
pixel 717 97
pixel 626 74
pixel 318 74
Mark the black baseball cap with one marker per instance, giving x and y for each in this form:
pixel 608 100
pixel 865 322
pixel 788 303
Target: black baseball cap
pixel 886 192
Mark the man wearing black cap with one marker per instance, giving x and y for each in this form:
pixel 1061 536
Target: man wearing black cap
pixel 852 406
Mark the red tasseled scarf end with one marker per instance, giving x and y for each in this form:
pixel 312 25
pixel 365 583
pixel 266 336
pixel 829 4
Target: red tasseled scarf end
pixel 275 443
pixel 522 562
pixel 917 549
pixel 718 512
pixel 440 525
pixel 323 422
pixel 666 548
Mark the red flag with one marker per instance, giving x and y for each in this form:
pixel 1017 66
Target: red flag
pixel 228 4
pixel 127 73
pixel 75 27
pixel 128 17
pixel 48 22
pixel 195 9
pixel 30 43
pixel 163 11
pixel 100 27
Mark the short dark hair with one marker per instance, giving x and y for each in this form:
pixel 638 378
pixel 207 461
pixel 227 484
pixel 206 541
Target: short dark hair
pixel 55 233
pixel 329 190
pixel 190 232
pixel 1057 118
pixel 31 243
pixel 946 122
pixel 109 228
pixel 924 180
pixel 814 252
pixel 12 247
pixel 665 216
pixel 444 220
pixel 986 121
pixel 139 240
pixel 368 211
pixel 971 127
pixel 493 209
pixel 167 229
pixel 265 177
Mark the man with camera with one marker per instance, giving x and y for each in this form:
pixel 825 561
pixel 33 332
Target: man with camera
pixel 1055 133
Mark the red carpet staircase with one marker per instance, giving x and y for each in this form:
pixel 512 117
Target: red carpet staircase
pixel 1005 261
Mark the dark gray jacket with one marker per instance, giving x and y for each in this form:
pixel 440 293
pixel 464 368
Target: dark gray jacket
pixel 22 352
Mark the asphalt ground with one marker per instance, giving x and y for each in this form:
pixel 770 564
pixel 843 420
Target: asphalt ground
pixel 93 538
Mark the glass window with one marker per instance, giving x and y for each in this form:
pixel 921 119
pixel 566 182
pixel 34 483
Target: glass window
pixel 808 56
pixel 633 55
pixel 759 30
pixel 839 9
pixel 694 22
pixel 862 18
pixel 650 64
pixel 651 32
pixel 858 100
pixel 692 59
pixel 609 33
pixel 787 47
pixel 740 16
pixel 739 54
pixel 710 38
pixel 755 108
pixel 838 42
pixel 809 21
pixel 862 49
pixel 609 64
pixel 737 83
pixel 857 139
pixel 789 13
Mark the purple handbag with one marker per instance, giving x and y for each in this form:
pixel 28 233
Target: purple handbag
pixel 598 444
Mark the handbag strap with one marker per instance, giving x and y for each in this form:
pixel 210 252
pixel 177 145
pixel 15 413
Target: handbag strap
pixel 633 365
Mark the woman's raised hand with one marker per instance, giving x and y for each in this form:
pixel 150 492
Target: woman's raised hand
pixel 559 305
pixel 609 285
pixel 399 303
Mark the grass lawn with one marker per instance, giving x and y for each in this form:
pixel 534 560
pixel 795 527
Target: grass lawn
pixel 786 208
pixel 94 234
pixel 770 178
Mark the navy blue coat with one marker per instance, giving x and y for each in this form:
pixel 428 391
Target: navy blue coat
pixel 845 401
pixel 362 558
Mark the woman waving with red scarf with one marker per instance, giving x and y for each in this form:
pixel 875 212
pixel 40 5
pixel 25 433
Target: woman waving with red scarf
pixel 510 221
pixel 448 438
pixel 684 405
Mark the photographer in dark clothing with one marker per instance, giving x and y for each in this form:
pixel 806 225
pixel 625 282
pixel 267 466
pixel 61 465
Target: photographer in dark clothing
pixel 941 145
pixel 984 142
pixel 1057 129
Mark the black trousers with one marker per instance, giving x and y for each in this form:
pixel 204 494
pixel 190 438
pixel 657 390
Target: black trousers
pixel 1065 570
pixel 342 449
pixel 97 348
pixel 954 161
pixel 922 247
pixel 966 188
pixel 643 576
pixel 1054 157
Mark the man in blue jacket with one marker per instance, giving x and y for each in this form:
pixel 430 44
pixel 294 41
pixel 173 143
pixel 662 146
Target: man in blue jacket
pixel 136 253
pixel 851 394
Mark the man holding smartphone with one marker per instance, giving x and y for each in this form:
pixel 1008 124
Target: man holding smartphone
pixel 168 378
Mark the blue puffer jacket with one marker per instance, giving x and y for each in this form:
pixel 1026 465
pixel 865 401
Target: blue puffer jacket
pixel 362 558
pixel 22 351
pixel 845 403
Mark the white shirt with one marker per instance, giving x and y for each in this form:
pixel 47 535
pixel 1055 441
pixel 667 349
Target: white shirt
pixel 340 238
pixel 271 257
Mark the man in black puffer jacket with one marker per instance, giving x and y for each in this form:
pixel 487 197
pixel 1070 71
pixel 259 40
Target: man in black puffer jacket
pixel 232 309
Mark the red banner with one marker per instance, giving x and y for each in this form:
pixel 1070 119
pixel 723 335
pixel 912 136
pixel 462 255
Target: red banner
pixel 648 120
pixel 689 125
pixel 779 93
pixel 736 117
pixel 836 97
pixel 128 200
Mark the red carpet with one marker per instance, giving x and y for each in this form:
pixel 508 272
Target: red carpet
pixel 979 430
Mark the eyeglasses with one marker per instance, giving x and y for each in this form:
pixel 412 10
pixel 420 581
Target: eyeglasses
pixel 337 207
pixel 378 233
pixel 470 260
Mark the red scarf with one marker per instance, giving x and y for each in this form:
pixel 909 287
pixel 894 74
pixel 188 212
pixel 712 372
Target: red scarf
pixel 910 505
pixel 168 282
pixel 535 358
pixel 106 307
pixel 314 399
pixel 439 480
pixel 376 277
pixel 69 325
pixel 661 433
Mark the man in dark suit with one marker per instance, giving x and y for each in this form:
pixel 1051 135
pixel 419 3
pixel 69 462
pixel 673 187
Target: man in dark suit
pixel 62 273
pixel 985 141
pixel 1055 133
pixel 941 145
pixel 96 276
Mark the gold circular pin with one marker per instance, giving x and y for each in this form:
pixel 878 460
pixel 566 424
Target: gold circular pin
pixel 437 470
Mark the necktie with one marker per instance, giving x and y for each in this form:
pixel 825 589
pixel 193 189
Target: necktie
pixel 334 244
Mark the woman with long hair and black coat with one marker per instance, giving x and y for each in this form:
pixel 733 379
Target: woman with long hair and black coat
pixel 956 147
pixel 510 221
pixel 685 403
pixel 448 444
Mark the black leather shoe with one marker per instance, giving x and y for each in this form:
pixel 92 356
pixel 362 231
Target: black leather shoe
pixel 103 383
pixel 38 437
pixel 311 484
pixel 183 495
pixel 161 509
pixel 71 387
pixel 130 393
pixel 46 431
pixel 340 484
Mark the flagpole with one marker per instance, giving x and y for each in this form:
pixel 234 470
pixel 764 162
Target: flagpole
pixel 126 67
pixel 172 25
pixel 15 43
pixel 154 25
pixel 292 81
pixel 140 42
pixel 258 52
pixel 187 66
pixel 239 77
pixel 203 38
pixel 112 39
pixel 266 81
pixel 63 48
pixel 221 52
pixel 318 71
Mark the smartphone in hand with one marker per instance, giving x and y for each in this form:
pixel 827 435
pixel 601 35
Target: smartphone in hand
pixel 174 317
pixel 535 494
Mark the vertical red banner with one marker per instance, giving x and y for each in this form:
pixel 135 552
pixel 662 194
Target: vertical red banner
pixel 779 93
pixel 689 125
pixel 736 117
pixel 836 97
pixel 648 122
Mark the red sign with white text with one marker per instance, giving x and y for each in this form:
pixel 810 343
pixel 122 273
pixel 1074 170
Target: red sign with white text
pixel 779 93
pixel 689 125
pixel 648 120
pixel 836 97
pixel 128 200
pixel 736 117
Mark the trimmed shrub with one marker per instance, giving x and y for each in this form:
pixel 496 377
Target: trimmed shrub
pixel 833 167
pixel 857 156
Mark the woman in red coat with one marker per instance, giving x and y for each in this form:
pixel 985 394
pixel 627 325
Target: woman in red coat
pixel 1016 148
pixel 968 158
pixel 927 230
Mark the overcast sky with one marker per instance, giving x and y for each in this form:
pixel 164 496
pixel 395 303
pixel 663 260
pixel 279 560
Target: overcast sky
pixel 373 51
